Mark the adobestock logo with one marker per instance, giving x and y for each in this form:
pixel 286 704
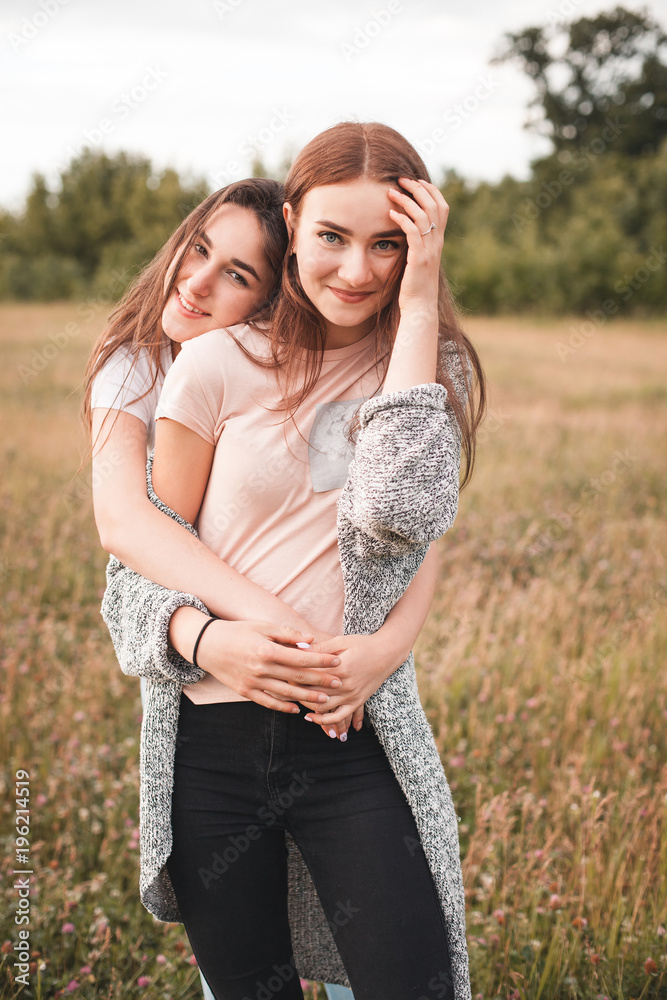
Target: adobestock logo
pixel 31 26
pixel 458 113
pixel 252 145
pixel 365 33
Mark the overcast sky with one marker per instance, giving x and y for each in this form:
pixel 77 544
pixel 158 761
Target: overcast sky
pixel 196 84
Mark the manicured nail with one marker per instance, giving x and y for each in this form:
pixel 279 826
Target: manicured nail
pixel 308 718
pixel 323 697
pixel 332 734
pixel 343 737
pixel 303 645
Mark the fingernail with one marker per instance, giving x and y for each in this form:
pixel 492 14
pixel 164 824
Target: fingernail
pixel 358 725
pixel 302 645
pixel 332 734
pixel 336 682
pixel 323 697
pixel 308 718
pixel 343 737
pixel 336 661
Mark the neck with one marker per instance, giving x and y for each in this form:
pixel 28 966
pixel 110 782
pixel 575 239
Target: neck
pixel 345 336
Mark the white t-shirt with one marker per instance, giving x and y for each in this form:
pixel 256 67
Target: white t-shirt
pixel 117 386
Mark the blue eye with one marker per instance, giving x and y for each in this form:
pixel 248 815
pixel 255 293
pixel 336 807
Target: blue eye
pixel 331 242
pixel 386 245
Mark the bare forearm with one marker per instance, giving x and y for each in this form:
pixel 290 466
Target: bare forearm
pixel 162 550
pixel 415 352
pixel 406 619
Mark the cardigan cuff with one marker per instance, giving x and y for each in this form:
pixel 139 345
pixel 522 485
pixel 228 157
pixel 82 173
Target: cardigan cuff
pixel 170 663
pixel 432 395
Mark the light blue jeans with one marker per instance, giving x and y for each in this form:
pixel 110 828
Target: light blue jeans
pixel 333 992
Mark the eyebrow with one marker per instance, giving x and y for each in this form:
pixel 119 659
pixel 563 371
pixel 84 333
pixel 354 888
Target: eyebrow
pixel 348 232
pixel 241 264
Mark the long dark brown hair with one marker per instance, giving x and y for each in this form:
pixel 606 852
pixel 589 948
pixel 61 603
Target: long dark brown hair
pixel 136 322
pixel 373 151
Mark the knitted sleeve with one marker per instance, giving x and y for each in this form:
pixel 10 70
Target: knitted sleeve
pixel 403 483
pixel 137 613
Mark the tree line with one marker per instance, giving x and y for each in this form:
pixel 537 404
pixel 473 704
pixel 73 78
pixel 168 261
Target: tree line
pixel 585 232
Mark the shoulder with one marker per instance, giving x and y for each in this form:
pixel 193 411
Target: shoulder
pixel 128 375
pixel 457 365
pixel 224 343
pixel 138 362
pixel 220 356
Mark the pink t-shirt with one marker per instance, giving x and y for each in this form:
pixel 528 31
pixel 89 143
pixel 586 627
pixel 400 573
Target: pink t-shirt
pixel 269 510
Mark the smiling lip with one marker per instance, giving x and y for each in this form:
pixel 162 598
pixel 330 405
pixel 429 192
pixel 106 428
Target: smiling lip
pixel 351 297
pixel 189 307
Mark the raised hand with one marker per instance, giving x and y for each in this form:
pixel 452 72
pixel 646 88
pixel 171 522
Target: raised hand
pixel 423 219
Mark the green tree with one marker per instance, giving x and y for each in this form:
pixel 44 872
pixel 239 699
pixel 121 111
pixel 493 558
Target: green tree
pixel 597 70
pixel 107 217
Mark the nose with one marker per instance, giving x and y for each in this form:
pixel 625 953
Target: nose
pixel 355 268
pixel 201 282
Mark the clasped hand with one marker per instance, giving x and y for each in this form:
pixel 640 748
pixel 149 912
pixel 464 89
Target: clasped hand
pixel 261 662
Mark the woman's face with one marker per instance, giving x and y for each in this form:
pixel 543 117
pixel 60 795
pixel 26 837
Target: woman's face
pixel 224 276
pixel 346 245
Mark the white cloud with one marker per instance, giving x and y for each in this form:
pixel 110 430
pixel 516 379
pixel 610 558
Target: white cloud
pixel 226 73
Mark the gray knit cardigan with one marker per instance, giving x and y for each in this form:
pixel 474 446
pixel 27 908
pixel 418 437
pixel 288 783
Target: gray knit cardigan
pixel 401 493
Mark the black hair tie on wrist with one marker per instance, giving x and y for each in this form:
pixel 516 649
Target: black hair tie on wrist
pixel 213 618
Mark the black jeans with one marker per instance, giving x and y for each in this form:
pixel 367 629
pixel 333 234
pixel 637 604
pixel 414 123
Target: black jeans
pixel 244 774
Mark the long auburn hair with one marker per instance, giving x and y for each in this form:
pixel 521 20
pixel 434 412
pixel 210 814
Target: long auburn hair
pixel 136 322
pixel 373 151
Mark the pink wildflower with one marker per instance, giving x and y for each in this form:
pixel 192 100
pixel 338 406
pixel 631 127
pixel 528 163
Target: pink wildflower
pixel 68 928
pixel 143 981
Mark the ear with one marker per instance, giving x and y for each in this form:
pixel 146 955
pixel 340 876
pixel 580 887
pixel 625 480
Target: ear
pixel 288 216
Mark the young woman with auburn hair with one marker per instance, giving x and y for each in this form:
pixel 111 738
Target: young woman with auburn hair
pixel 319 455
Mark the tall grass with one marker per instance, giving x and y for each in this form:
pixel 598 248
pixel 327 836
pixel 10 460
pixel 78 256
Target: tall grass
pixel 542 669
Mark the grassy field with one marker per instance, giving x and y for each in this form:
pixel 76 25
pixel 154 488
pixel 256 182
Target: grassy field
pixel 542 668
